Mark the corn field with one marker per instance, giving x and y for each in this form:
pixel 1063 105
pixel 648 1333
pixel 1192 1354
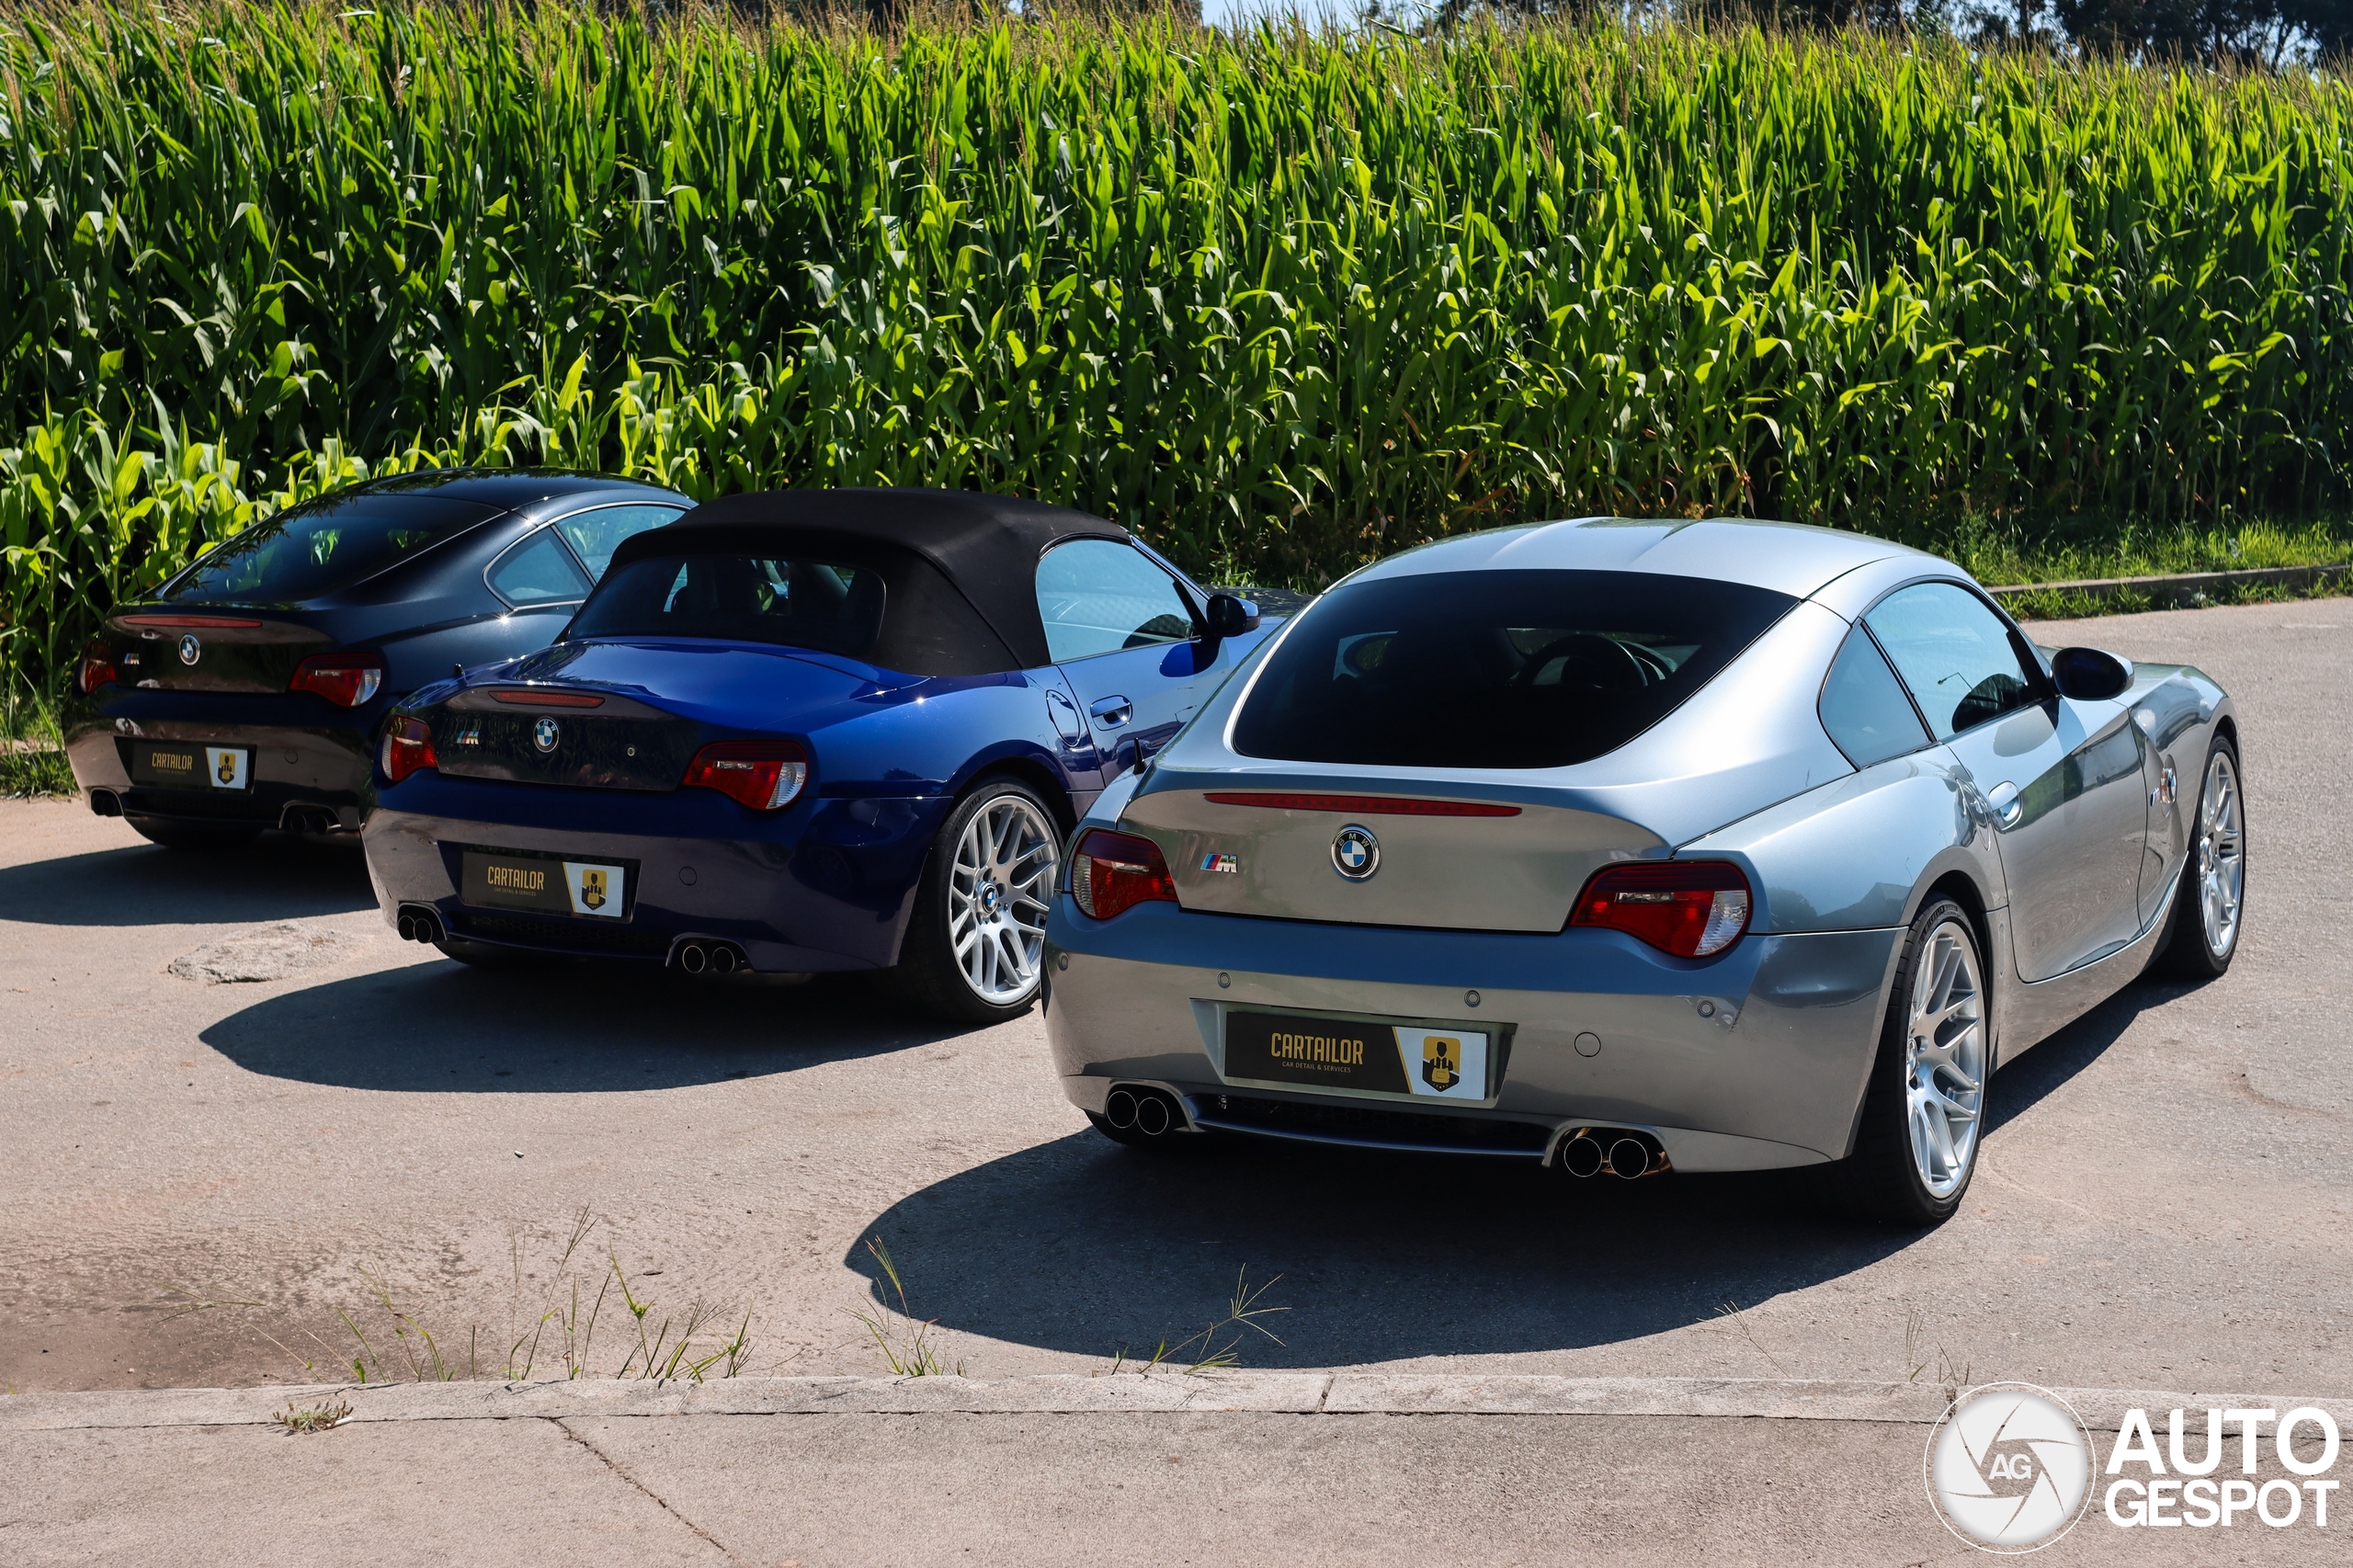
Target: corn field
pixel 1283 302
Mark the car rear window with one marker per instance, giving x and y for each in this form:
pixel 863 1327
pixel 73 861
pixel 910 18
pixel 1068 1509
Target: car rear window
pixel 321 547
pixel 1495 669
pixel 833 607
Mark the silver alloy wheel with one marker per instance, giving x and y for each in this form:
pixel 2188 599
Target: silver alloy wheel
pixel 998 891
pixel 2222 856
pixel 1944 1059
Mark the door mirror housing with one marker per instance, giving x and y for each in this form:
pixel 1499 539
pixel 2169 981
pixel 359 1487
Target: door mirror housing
pixel 1228 616
pixel 2089 674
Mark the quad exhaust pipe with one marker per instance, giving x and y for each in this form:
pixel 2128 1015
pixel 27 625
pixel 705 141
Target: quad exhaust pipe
pixel 1148 1113
pixel 420 923
pixel 1624 1154
pixel 105 803
pixel 696 954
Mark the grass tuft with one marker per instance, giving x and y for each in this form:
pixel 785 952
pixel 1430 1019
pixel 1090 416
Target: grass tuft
pixel 312 1418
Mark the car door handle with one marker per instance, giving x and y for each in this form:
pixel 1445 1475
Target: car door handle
pixel 2004 799
pixel 1112 711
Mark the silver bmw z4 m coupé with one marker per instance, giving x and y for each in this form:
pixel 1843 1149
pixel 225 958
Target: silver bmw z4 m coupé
pixel 1641 847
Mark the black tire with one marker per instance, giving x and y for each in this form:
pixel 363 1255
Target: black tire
pixel 2188 952
pixel 930 970
pixel 1882 1179
pixel 173 834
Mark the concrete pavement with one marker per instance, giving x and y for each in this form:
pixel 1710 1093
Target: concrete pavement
pixel 199 1172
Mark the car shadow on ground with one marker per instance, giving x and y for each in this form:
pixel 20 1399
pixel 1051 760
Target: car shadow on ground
pixel 277 876
pixel 567 1028
pixel 1075 1245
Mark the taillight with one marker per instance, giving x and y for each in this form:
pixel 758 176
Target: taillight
pixel 1689 908
pixel 408 746
pixel 98 667
pixel 1113 873
pixel 764 775
pixel 345 679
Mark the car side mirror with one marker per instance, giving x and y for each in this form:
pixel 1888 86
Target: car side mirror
pixel 1227 616
pixel 2088 674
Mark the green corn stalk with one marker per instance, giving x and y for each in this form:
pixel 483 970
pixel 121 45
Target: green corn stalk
pixel 1284 302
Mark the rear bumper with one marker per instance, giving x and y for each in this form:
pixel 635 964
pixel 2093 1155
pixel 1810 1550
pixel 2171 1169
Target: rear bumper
pixel 825 885
pixel 1771 1075
pixel 306 752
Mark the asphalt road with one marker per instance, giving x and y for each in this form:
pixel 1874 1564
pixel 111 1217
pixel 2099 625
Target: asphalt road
pixel 197 1174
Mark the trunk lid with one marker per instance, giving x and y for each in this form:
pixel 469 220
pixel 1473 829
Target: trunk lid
pixel 162 648
pixel 1448 859
pixel 628 716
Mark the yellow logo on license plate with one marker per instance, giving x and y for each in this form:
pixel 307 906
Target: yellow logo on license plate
pixel 1441 1062
pixel 592 887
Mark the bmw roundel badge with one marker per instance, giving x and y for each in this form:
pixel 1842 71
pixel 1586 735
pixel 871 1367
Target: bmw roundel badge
pixel 1356 854
pixel 546 733
pixel 190 649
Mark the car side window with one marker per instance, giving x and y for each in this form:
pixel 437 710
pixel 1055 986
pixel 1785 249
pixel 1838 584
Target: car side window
pixel 538 571
pixel 1955 655
pixel 1864 709
pixel 1098 596
pixel 597 533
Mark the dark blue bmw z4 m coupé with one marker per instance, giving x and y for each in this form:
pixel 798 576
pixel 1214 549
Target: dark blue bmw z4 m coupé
pixel 247 691
pixel 801 732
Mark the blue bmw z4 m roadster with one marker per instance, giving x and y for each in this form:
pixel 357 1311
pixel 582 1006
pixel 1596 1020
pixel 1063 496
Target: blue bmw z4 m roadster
pixel 801 732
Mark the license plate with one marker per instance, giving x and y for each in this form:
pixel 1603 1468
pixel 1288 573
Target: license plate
pixel 547 884
pixel 169 765
pixel 1413 1061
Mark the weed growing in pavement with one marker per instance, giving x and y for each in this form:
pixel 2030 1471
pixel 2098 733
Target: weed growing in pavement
pixel 390 1343
pixel 1740 1321
pixel 1947 1373
pixel 314 1417
pixel 1243 1311
pixel 904 1340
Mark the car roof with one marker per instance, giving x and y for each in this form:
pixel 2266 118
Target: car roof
pixel 987 545
pixel 507 489
pixel 1790 557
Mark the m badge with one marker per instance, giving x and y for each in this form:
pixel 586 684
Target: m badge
pixel 1229 864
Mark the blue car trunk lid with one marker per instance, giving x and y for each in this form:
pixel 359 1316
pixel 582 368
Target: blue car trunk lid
pixel 563 735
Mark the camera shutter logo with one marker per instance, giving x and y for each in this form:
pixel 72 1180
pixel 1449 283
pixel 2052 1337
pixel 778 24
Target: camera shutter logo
pixel 2008 1467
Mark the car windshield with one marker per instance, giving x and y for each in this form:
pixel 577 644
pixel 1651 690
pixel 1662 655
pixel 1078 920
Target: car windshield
pixel 307 552
pixel 739 598
pixel 1495 669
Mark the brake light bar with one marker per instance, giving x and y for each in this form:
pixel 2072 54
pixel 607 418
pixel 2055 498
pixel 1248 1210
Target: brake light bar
pixel 1365 805
pixel 549 699
pixel 188 623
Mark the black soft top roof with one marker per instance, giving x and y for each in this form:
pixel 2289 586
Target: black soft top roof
pixel 986 546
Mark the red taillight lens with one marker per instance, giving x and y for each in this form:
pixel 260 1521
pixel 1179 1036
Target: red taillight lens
pixel 764 775
pixel 1689 908
pixel 1113 873
pixel 408 746
pixel 346 680
pixel 98 668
